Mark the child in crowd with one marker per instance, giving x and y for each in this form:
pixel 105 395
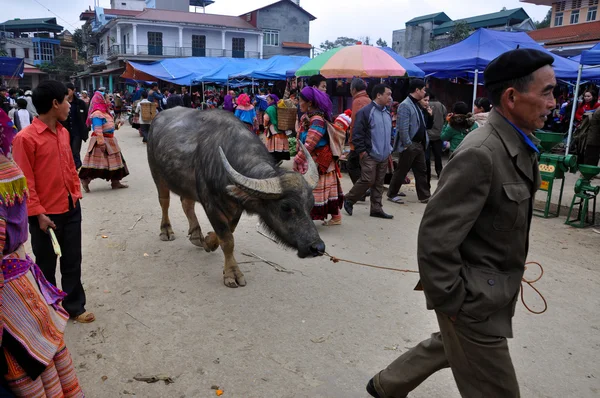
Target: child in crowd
pixel 460 123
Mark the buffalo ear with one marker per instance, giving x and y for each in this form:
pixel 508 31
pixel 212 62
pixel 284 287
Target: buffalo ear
pixel 241 195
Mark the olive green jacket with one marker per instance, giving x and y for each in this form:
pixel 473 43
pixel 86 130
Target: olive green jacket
pixel 474 235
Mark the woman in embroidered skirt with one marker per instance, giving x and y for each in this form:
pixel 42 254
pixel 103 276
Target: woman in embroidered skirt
pixel 277 142
pixel 103 158
pixel 328 194
pixel 34 360
pixel 246 113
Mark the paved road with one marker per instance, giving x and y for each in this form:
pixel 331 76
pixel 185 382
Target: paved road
pixel 321 331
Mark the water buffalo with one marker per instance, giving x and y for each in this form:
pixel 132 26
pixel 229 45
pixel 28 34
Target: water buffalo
pixel 210 157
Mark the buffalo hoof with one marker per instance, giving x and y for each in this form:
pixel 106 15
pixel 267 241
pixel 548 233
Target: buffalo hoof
pixel 211 242
pixel 197 240
pixel 236 281
pixel 167 234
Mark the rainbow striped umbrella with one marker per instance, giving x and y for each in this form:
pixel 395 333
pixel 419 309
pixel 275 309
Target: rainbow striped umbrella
pixel 353 61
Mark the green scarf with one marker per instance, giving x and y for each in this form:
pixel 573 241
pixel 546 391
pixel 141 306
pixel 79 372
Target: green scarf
pixel 272 112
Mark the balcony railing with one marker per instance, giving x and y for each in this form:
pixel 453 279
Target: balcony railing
pixel 167 51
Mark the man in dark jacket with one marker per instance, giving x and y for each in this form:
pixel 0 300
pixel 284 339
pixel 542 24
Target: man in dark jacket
pixel 174 99
pixel 434 133
pixel 372 139
pixel 75 123
pixel 592 148
pixel 187 98
pixel 474 238
pixel 4 102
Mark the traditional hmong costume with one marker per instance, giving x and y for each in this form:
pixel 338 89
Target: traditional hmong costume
pixel 329 197
pixel 34 359
pixel 276 141
pixel 103 158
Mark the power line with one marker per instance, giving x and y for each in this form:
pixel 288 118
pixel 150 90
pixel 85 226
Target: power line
pixel 58 16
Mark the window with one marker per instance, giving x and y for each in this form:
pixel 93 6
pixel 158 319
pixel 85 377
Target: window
pixel 13 52
pixel 198 46
pixel 155 43
pixel 574 17
pixel 238 47
pixel 558 19
pixel 271 38
pixel 592 13
pixel 593 3
pixel 560 6
pixel 575 4
pixel 43 52
pixel 26 50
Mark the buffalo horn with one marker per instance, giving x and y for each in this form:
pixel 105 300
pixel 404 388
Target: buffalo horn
pixel 268 188
pixel 312 174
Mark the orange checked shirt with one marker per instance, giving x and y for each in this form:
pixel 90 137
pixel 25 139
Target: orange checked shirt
pixel 47 162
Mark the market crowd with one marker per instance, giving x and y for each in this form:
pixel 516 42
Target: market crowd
pixel 42 174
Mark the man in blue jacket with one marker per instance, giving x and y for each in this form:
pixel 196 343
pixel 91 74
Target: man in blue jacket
pixel 411 142
pixel 372 137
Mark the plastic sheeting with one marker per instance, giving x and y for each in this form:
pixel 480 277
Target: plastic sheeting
pixel 11 67
pixel 276 68
pixel 592 57
pixel 232 66
pixel 479 49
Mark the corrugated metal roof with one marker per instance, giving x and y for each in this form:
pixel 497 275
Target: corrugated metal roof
pixel 312 17
pixel 198 18
pixel 437 17
pixel 32 23
pixel 293 44
pixel 487 20
pixel 583 32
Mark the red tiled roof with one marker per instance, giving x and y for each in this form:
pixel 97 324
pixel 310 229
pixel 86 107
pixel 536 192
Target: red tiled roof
pixel 293 44
pixel 109 11
pixel 582 32
pixel 191 17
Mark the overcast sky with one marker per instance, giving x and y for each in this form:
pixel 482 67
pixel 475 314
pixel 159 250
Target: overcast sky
pixel 351 18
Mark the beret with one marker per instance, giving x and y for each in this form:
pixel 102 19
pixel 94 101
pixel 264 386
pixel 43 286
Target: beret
pixel 515 64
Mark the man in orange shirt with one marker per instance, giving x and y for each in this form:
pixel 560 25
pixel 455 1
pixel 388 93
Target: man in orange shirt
pixel 360 99
pixel 42 150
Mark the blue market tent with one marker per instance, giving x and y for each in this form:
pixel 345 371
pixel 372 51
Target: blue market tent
pixel 474 53
pixel 233 66
pixel 180 71
pixel 577 58
pixel 276 68
pixel 11 67
pixel 411 69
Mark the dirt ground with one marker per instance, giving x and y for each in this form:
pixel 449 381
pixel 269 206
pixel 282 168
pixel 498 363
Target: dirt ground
pixel 319 330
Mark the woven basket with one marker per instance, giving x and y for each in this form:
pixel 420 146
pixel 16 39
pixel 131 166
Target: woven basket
pixel 286 118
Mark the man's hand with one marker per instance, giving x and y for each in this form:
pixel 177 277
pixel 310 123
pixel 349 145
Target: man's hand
pixel 45 222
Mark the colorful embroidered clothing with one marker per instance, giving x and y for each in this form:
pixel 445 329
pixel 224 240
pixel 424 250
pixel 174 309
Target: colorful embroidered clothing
pixel 329 197
pixel 33 358
pixel 277 142
pixel 103 158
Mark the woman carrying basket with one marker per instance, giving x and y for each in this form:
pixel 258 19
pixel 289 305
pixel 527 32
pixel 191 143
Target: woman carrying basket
pixel 328 193
pixel 277 142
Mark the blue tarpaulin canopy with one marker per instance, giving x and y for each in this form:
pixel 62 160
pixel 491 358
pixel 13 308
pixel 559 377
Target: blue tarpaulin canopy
pixel 231 67
pixel 180 71
pixel 276 68
pixel 577 58
pixel 411 69
pixel 479 49
pixel 11 66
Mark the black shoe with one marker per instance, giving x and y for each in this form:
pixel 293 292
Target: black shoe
pixel 368 193
pixel 349 207
pixel 402 194
pixel 371 389
pixel 424 200
pixel 382 214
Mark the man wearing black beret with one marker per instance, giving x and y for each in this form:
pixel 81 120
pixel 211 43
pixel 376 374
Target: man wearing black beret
pixel 474 238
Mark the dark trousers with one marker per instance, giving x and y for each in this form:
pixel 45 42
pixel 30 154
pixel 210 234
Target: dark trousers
pixel 68 234
pixel 435 149
pixel 412 157
pixel 144 129
pixel 76 149
pixel 372 176
pixel 353 166
pixel 481 364
pixel 592 155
